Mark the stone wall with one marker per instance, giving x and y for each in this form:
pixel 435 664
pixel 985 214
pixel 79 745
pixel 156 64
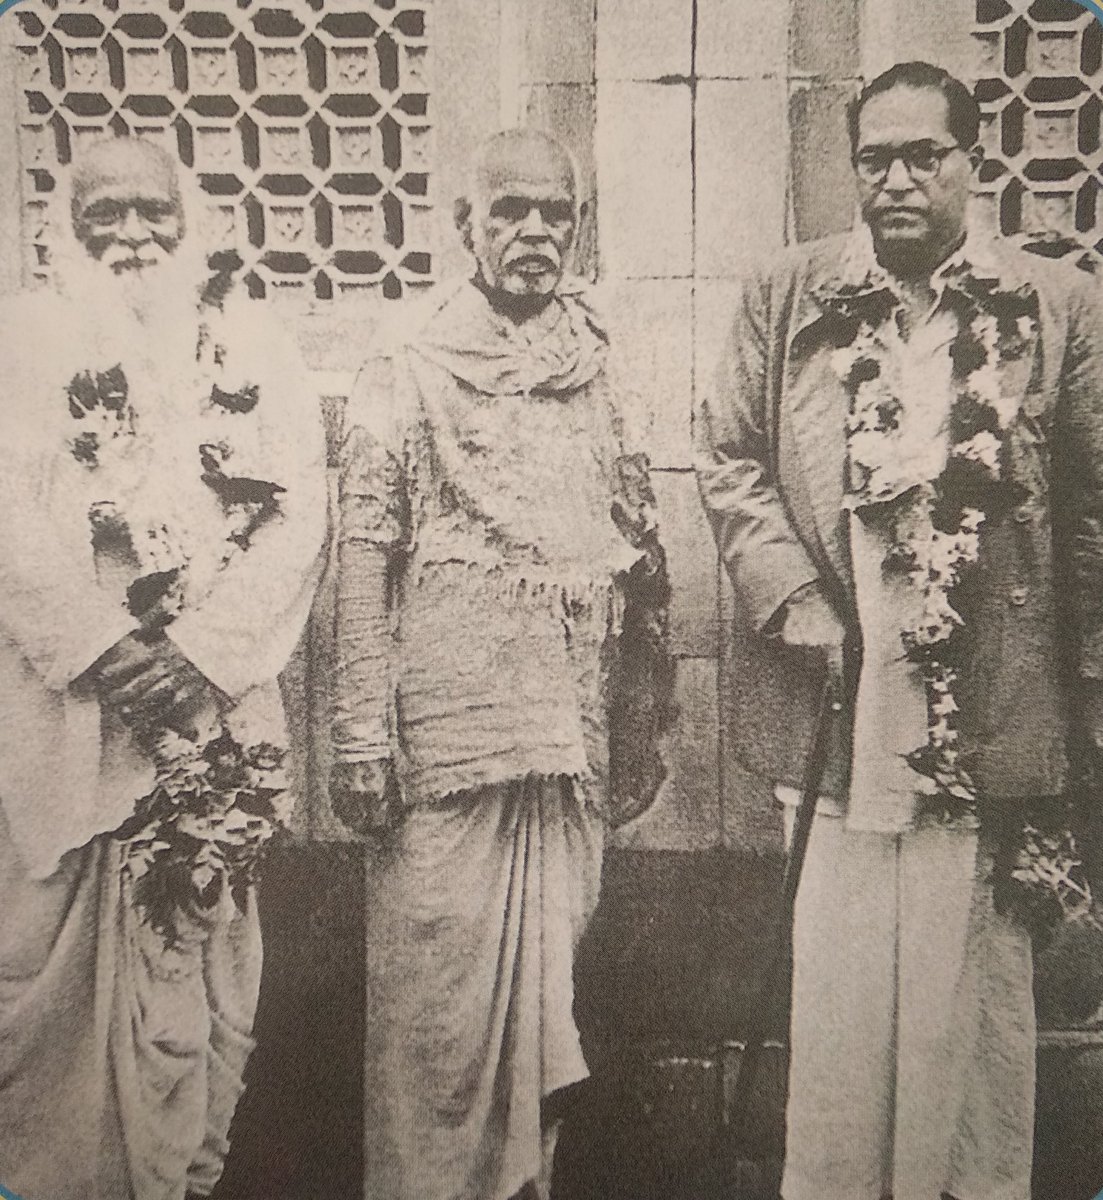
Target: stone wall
pixel 712 129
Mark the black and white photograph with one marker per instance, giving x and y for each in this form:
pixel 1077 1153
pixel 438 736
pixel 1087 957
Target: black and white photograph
pixel 551 600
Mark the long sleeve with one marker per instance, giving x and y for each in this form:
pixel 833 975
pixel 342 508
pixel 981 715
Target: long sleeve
pixel 242 631
pixel 373 525
pixel 1079 471
pixel 732 455
pixel 50 605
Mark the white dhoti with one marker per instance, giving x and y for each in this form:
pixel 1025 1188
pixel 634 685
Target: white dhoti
pixel 120 1061
pixel 912 1033
pixel 473 918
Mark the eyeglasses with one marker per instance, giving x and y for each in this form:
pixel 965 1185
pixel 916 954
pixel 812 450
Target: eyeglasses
pixel 922 161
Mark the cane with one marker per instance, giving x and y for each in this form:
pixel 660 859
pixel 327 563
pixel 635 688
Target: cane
pixel 751 1058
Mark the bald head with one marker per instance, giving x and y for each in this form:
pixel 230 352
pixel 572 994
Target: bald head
pixel 524 154
pixel 127 209
pixel 521 215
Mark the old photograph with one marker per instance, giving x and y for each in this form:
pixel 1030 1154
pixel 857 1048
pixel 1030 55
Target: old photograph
pixel 551 600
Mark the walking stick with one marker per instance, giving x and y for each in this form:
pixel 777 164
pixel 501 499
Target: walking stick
pixel 751 1058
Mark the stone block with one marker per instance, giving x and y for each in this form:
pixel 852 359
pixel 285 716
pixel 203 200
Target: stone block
pixel 559 41
pixel 823 197
pixel 826 38
pixel 741 41
pixel 752 821
pixel 742 146
pixel 686 814
pixel 945 39
pixel 1068 1143
pixel 644 39
pixel 692 561
pixel 341 341
pixel 651 322
pixel 299 1127
pixel 645 185
pixel 675 956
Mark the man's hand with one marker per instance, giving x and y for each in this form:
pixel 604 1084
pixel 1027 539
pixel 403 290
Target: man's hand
pixel 364 795
pixel 149 681
pixel 810 622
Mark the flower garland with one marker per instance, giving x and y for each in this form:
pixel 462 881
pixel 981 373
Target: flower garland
pixel 935 528
pixel 204 828
pixel 215 804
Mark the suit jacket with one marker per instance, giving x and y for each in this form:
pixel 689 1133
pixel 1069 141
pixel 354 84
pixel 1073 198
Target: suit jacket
pixel 771 460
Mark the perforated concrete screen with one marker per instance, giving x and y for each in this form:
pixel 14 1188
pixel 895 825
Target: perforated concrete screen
pixel 307 123
pixel 1040 81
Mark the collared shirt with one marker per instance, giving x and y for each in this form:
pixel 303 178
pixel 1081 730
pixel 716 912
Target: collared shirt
pixel 891 708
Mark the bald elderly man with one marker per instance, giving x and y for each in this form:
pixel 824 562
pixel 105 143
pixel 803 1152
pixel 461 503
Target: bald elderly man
pixel 140 595
pixel 500 580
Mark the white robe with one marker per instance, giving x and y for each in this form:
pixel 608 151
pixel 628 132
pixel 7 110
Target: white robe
pixel 114 1053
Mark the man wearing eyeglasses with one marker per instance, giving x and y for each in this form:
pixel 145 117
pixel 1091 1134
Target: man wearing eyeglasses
pixel 902 460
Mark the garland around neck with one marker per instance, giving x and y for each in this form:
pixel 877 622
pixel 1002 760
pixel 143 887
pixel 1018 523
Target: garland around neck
pixel 934 525
pixel 934 529
pixel 200 833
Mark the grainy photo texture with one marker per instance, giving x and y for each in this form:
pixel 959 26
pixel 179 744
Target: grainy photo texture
pixel 551 600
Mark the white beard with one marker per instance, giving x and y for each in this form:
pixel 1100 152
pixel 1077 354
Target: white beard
pixel 153 308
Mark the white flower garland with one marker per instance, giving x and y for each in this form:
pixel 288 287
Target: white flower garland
pixel 933 559
pixel 936 526
pixel 215 803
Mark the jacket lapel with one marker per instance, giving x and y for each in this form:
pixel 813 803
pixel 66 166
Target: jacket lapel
pixel 817 398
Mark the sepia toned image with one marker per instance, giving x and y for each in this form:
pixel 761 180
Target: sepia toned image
pixel 551 600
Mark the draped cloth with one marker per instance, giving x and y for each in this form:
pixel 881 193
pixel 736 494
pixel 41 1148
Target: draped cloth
pixel 473 919
pixel 499 564
pixel 121 1060
pixel 912 1034
pixel 486 463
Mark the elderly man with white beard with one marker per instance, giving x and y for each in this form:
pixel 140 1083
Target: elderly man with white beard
pixel 162 520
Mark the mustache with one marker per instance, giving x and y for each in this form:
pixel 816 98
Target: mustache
pixel 121 259
pixel 537 258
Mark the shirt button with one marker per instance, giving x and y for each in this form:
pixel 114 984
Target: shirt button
pixel 1023 516
pixel 1018 596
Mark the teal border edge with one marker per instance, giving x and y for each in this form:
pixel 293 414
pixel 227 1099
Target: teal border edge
pixel 4 1193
